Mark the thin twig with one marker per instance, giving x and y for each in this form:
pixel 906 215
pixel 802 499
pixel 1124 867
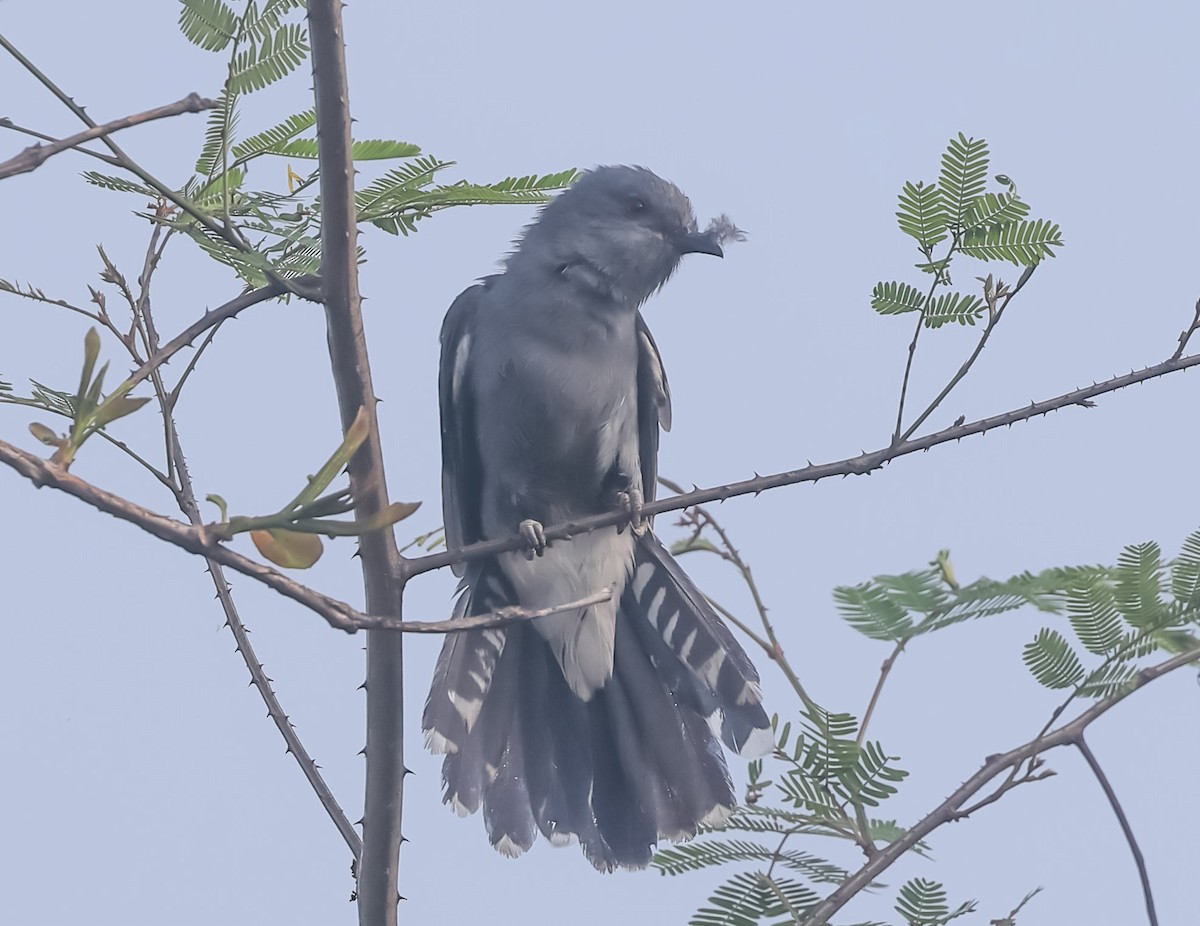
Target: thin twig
pixel 884 671
pixel 7 123
pixel 308 287
pixel 1138 858
pixel 499 617
pixel 1186 334
pixel 861 465
pixel 993 766
pixel 143 318
pixel 993 320
pixel 938 278
pixel 35 156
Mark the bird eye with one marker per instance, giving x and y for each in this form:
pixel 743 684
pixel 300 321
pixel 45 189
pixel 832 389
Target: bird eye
pixel 634 206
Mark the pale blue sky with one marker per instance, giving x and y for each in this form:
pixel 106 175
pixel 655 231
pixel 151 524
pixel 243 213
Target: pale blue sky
pixel 144 784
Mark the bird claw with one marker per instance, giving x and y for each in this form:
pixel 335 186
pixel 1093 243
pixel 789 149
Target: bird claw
pixel 631 501
pixel 534 535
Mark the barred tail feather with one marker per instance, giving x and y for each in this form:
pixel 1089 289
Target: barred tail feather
pixel 637 762
pixel 701 661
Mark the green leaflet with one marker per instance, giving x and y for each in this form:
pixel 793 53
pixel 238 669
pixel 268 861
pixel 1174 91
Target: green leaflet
pixel 1052 660
pixel 923 903
pixel 922 214
pixel 272 58
pixel 954 307
pixel 211 24
pixel 963 176
pixel 896 298
pixel 1021 243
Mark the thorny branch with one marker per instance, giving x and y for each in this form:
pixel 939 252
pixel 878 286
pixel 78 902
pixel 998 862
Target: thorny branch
pixel 861 465
pixel 143 321
pixel 35 156
pixel 379 864
pixel 340 615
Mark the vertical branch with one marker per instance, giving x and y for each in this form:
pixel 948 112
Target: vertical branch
pixel 378 868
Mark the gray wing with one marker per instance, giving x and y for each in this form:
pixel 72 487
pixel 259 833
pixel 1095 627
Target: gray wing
pixel 654 406
pixel 461 471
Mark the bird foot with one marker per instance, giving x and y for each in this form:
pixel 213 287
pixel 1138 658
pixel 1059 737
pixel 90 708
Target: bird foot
pixel 631 501
pixel 534 535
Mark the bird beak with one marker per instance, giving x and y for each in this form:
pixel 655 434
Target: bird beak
pixel 704 242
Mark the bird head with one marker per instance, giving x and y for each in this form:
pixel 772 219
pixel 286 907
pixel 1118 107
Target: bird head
pixel 622 230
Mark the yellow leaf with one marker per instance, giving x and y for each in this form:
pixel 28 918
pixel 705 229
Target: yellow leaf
pixel 289 549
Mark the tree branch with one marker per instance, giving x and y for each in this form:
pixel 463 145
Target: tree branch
pixel 202 541
pixel 861 465
pixel 35 155
pixel 1138 859
pixel 378 869
pixel 945 812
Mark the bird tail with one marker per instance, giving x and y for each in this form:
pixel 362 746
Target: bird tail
pixel 639 761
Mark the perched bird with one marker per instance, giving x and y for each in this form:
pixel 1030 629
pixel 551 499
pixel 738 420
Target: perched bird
pixel 601 724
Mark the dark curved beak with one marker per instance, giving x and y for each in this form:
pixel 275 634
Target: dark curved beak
pixel 704 242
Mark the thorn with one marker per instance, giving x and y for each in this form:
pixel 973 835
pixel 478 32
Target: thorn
pixel 407 771
pixel 362 752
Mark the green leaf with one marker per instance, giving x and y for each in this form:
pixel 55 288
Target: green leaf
pixel 923 903
pixel 1139 584
pixel 1021 243
pixel 115 408
pixel 870 781
pixel 871 611
pixel 743 900
pixel 266 22
pixel 1092 610
pixel 1185 572
pixel 45 434
pixel 936 267
pixel 1052 660
pixel 896 298
pixel 208 23
pixel 274 58
pixel 269 141
pixel 922 214
pixel 710 853
pixel 963 176
pixel 372 149
pixel 218 132
pixel 1109 680
pixel 992 209
pixel 118 184
pixel 954 307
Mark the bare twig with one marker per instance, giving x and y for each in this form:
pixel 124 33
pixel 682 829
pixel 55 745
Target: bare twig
pixel 861 465
pixel 383 579
pixel 884 671
pixel 992 767
pixel 1186 334
pixel 35 155
pixel 308 287
pixel 143 319
pixel 500 616
pixel 1138 859
pixel 7 123
pixel 994 315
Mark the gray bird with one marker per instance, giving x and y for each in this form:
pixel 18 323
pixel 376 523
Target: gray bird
pixel 601 724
